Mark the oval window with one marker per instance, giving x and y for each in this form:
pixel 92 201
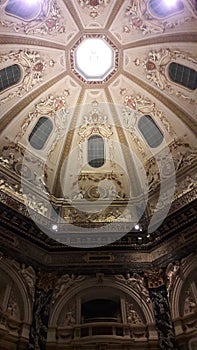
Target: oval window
pixel 164 8
pixel 150 131
pixel 95 151
pixel 27 11
pixel 40 133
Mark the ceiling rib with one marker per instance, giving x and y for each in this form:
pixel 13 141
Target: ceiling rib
pixel 56 190
pixel 12 39
pixel 172 38
pixel 71 8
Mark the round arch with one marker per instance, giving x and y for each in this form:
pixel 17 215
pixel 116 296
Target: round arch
pixel 9 270
pixel 188 267
pixel 87 285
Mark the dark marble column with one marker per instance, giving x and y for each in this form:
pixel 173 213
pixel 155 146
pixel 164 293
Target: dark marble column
pixel 41 310
pixel 163 321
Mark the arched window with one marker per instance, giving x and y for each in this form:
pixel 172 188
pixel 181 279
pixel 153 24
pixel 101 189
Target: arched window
pixel 164 8
pixel 40 133
pixel 26 12
pixel 95 151
pixel 9 76
pixel 150 131
pixel 183 75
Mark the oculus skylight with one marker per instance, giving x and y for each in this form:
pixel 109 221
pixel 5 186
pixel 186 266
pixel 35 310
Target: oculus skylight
pixel 94 58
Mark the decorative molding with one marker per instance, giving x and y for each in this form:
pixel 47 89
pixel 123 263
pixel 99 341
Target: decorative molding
pixel 49 21
pixel 32 66
pixel 156 64
pixel 140 19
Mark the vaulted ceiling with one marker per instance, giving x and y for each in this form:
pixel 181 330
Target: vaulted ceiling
pixel 141 179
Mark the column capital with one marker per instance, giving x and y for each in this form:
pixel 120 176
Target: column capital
pixel 45 280
pixel 154 278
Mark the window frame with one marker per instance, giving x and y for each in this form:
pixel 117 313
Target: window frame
pixel 156 15
pixel 156 127
pixel 16 83
pixel 179 84
pixel 22 18
pixel 34 128
pixel 104 155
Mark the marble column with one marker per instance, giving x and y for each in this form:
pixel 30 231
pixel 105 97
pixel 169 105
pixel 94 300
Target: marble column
pixel 163 321
pixel 41 310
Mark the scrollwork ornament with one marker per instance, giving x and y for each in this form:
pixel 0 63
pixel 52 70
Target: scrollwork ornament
pixel 32 66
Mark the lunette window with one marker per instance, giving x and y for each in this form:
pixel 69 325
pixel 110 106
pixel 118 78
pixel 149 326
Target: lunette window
pixel 150 131
pixel 27 11
pixel 161 8
pixel 96 151
pixel 40 133
pixel 9 76
pixel 183 75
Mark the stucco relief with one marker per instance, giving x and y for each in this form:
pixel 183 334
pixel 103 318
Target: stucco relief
pixel 54 107
pixel 156 64
pixel 95 123
pixel 190 305
pixel 94 6
pixel 64 283
pixel 48 21
pixel 183 155
pixel 140 19
pixel 136 105
pixel 33 67
pixel 68 318
pixel 136 282
pixel 133 317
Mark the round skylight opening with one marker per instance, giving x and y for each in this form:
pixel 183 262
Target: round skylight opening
pixel 94 59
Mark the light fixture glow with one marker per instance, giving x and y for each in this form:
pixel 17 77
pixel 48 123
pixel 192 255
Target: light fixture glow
pixel 170 3
pixel 137 227
pixel 54 227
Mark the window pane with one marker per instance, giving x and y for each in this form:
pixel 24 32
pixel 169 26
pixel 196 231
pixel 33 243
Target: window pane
pixel 9 76
pixel 162 9
pixel 95 151
pixel 183 75
pixel 26 11
pixel 40 133
pixel 150 131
